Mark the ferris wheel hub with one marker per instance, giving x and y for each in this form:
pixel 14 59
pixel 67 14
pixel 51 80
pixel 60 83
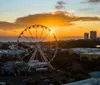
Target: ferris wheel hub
pixel 38 46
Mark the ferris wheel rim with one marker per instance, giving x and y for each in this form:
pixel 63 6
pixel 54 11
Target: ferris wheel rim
pixel 56 47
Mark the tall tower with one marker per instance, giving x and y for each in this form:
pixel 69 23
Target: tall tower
pixel 93 35
pixel 86 35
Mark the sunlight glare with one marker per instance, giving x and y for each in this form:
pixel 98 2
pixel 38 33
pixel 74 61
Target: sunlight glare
pixel 51 33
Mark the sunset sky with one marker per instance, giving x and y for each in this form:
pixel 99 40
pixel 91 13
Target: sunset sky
pixel 15 15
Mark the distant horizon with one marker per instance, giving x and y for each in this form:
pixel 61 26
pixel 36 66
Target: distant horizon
pixel 14 38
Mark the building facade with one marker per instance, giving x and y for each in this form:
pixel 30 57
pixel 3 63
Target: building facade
pixel 93 35
pixel 86 36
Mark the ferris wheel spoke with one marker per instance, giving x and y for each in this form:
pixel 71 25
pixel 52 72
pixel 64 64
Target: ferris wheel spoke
pixel 27 38
pixel 45 37
pixel 36 35
pixel 33 55
pixel 52 54
pixel 45 58
pixel 28 53
pixel 41 33
pixel 26 45
pixel 53 57
pixel 43 55
pixel 31 35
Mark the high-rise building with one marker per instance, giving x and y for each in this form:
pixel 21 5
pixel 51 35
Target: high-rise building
pixel 86 35
pixel 93 34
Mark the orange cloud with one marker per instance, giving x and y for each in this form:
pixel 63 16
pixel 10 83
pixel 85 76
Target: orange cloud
pixel 58 19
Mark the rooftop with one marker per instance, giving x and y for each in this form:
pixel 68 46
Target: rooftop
pixel 91 81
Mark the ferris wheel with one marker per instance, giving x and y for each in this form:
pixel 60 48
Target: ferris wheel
pixel 39 42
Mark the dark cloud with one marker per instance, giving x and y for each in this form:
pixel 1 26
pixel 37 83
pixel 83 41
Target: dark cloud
pixel 86 9
pixel 91 1
pixel 47 19
pixel 88 18
pixel 7 25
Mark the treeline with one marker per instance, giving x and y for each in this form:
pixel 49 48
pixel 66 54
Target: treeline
pixel 79 43
pixel 70 63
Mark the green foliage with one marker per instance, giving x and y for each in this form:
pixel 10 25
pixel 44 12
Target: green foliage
pixel 64 60
pixel 71 64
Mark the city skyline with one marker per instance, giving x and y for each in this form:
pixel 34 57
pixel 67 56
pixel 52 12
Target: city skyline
pixel 92 35
pixel 15 16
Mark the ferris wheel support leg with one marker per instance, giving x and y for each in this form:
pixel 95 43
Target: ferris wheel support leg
pixel 33 55
pixel 32 58
pixel 29 69
pixel 44 57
